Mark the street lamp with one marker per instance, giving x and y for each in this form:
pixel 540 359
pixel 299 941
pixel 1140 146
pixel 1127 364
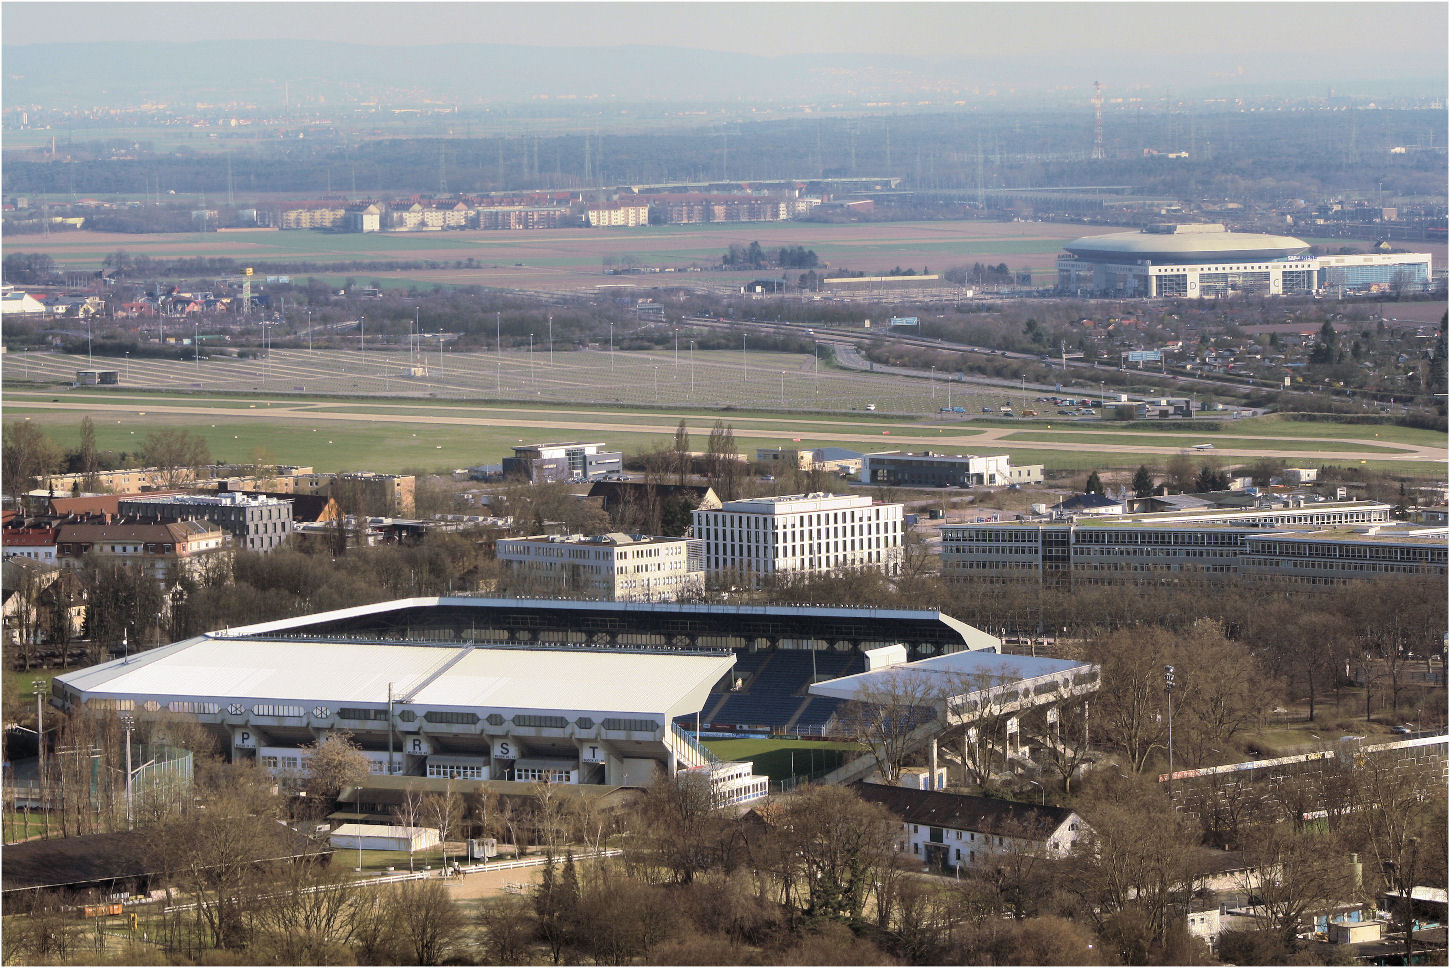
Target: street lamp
pixel 40 687
pixel 1168 683
pixel 128 723
pixel 128 367
pixel 1041 789
pixel 611 346
pixel 551 344
pixel 692 370
pixel 744 359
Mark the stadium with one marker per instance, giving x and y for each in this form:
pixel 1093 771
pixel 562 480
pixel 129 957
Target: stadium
pixel 588 693
pixel 1208 261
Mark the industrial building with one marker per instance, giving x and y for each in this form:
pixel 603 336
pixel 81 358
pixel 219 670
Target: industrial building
pixel 930 469
pixel 617 567
pixel 801 533
pixel 544 463
pixel 1208 261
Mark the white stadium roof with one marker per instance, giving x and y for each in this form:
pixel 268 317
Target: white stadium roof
pixel 443 676
pixel 956 673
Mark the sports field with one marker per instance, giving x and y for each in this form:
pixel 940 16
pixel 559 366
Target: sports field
pixel 572 259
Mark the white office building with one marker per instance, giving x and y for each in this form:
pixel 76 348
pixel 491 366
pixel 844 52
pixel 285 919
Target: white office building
pixel 801 532
pixel 616 567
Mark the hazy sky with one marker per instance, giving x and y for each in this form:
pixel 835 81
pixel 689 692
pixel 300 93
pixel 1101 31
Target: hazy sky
pixel 1400 36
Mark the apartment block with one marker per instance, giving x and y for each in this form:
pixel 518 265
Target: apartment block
pixel 255 523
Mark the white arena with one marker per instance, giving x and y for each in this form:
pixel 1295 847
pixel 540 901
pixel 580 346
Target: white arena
pixel 1208 261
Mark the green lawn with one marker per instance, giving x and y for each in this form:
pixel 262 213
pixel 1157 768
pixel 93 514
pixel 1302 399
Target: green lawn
pixel 781 758
pixel 1220 443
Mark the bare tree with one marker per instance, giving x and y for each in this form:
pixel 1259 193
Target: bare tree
pixel 332 763
pixel 176 453
pixel 887 713
pixel 1291 873
pixel 429 923
pixel 26 453
pixel 443 811
pixel 407 814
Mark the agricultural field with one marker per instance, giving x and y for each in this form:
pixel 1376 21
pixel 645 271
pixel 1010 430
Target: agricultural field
pixel 339 410
pixel 566 260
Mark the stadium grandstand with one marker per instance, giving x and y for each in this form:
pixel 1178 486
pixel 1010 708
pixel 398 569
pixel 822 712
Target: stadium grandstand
pixel 516 690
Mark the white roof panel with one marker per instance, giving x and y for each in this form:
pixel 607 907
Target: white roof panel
pixel 444 676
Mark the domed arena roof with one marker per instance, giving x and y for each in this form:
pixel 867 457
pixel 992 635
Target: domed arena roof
pixel 1186 244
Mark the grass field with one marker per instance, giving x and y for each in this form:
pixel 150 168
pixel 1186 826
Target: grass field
pixel 780 759
pixel 572 259
pixel 340 410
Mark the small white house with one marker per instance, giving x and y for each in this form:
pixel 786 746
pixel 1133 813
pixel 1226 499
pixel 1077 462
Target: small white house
pixel 379 837
pixel 953 830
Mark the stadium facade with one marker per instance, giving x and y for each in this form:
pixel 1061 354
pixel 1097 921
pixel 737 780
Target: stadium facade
pixel 1208 261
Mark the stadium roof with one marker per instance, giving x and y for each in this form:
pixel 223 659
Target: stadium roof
pixel 1186 247
pixel 657 623
pixel 227 668
pixel 959 672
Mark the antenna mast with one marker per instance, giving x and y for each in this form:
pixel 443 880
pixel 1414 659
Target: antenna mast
pixel 1097 121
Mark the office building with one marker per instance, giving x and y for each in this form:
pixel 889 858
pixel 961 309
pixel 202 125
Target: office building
pixel 1319 543
pixel 544 463
pixel 930 469
pixel 801 533
pixel 613 567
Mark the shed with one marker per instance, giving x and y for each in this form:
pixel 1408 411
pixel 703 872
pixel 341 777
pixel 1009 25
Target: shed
pixel 364 836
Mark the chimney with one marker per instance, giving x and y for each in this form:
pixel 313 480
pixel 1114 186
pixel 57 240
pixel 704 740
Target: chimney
pixel 1356 871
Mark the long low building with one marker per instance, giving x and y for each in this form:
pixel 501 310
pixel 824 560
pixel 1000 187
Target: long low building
pixel 1320 543
pixel 929 469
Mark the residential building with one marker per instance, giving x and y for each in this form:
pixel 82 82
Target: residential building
pixel 18 303
pixel 525 217
pixel 801 532
pixel 615 567
pixel 954 831
pixel 541 463
pixel 35 543
pixel 313 217
pixel 255 523
pixel 614 495
pixel 364 218
pixel 618 215
pixel 157 548
pixel 930 469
